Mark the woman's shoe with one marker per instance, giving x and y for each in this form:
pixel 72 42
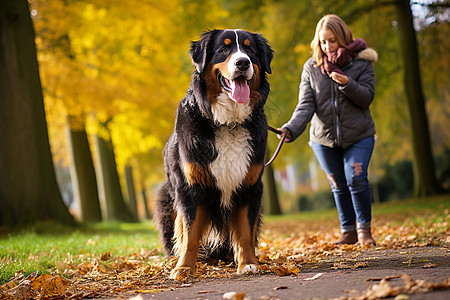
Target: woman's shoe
pixel 365 237
pixel 349 237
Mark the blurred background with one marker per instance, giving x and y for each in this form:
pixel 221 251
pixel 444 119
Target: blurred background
pixel 112 74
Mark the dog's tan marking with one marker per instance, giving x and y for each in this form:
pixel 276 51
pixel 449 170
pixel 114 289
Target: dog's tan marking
pixel 223 68
pixel 213 88
pixel 253 173
pixel 188 241
pixel 227 42
pixel 256 80
pixel 247 42
pixel 197 174
pixel 244 239
pixel 255 85
pixel 178 233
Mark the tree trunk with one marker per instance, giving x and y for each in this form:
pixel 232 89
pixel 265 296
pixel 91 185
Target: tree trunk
pixel 270 196
pixel 425 182
pixel 144 199
pixel 28 187
pixel 82 171
pixel 110 192
pixel 131 191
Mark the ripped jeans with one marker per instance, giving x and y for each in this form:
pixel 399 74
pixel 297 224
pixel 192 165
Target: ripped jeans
pixel 346 170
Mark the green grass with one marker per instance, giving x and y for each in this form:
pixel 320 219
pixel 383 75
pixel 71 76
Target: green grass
pixel 408 207
pixel 45 245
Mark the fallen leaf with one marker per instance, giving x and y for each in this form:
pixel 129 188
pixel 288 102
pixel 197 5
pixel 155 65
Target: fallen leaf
pixel 387 278
pixel 314 277
pixel 234 296
pixel 21 292
pixel 105 256
pixel 39 282
pixel 84 267
pixel 279 270
pixel 384 289
pixel 411 237
pixel 54 287
pixel 205 292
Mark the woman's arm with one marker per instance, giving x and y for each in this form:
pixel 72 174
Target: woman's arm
pixel 362 91
pixel 305 108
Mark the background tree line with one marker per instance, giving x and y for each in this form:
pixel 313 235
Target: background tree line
pixel 113 72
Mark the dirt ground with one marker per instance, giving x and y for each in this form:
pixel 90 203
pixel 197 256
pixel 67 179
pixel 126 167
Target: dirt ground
pixel 428 268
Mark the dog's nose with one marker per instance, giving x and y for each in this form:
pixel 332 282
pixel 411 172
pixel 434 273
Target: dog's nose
pixel 242 63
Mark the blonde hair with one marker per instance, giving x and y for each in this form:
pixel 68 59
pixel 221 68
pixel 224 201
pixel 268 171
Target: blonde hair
pixel 341 31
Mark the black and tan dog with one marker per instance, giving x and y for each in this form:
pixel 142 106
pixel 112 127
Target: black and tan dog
pixel 215 157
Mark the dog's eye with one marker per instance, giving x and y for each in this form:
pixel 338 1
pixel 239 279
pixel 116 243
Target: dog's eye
pixel 224 50
pixel 249 50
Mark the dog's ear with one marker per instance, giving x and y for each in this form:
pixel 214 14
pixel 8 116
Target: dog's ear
pixel 265 52
pixel 201 50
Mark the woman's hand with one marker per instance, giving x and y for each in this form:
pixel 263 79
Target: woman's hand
pixel 339 78
pixel 286 132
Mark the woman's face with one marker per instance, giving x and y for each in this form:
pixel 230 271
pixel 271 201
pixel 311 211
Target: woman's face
pixel 327 41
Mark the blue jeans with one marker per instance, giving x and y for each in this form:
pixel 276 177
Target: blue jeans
pixel 346 170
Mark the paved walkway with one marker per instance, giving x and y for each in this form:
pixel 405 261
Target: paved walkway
pixel 334 279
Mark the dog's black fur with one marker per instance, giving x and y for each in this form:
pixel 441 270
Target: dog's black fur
pixel 215 157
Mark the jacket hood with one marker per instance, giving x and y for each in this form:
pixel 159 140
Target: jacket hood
pixel 368 54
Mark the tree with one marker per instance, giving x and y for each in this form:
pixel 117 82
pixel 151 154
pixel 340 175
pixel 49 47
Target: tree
pixel 108 178
pixel 131 192
pixel 425 182
pixel 83 172
pixel 28 187
pixel 271 205
pixel 61 81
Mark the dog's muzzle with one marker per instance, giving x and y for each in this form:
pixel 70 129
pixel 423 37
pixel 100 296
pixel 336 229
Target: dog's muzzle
pixel 237 89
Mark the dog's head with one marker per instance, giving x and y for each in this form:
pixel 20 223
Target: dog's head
pixel 234 62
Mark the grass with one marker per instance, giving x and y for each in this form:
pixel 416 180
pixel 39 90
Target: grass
pixel 45 245
pixel 406 207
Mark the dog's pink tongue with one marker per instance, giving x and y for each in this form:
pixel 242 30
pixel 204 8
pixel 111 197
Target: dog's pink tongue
pixel 241 90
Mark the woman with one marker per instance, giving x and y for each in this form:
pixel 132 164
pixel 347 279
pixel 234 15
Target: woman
pixel 336 89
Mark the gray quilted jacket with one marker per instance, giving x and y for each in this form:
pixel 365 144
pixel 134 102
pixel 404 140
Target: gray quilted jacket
pixel 339 115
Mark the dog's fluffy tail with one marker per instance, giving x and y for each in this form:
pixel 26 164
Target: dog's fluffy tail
pixel 164 218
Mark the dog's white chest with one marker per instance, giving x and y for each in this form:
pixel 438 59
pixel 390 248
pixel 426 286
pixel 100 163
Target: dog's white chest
pixel 232 162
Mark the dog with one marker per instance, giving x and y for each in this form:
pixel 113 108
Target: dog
pixel 214 160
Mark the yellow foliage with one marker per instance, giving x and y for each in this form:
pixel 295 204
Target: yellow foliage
pixel 115 60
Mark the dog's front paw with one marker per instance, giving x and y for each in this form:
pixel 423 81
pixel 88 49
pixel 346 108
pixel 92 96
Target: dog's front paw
pixel 247 269
pixel 181 273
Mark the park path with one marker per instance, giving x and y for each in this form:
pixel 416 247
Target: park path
pixel 422 271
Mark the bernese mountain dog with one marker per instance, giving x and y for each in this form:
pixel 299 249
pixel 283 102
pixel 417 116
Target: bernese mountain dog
pixel 214 160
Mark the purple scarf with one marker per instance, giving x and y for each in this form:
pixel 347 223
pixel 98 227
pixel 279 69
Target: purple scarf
pixel 335 60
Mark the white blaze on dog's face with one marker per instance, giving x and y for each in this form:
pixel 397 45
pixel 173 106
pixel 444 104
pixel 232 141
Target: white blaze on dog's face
pixel 233 64
pixel 241 70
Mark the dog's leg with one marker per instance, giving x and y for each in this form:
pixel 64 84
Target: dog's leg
pixel 188 238
pixel 244 242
